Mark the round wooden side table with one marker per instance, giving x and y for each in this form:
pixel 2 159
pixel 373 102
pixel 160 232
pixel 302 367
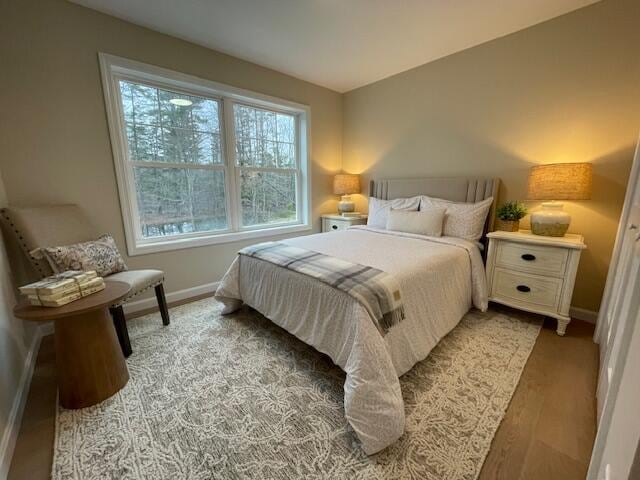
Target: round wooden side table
pixel 89 360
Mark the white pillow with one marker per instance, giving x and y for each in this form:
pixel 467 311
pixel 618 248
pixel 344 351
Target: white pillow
pixel 461 220
pixel 427 222
pixel 379 209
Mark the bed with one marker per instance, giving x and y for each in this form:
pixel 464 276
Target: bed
pixel 441 278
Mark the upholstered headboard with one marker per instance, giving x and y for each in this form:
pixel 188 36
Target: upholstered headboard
pixel 456 189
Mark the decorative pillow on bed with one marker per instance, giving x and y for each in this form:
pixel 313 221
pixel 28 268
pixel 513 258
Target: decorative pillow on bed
pixel 461 220
pixel 427 222
pixel 101 255
pixel 379 209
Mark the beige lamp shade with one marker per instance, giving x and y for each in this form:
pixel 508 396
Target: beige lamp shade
pixel 560 181
pixel 346 184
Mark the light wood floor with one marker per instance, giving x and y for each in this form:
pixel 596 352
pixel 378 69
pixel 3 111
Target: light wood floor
pixel 547 432
pixel 550 425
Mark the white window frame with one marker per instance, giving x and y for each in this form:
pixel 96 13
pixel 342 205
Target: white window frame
pixel 115 68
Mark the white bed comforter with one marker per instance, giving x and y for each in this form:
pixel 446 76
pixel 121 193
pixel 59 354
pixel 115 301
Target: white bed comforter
pixel 440 278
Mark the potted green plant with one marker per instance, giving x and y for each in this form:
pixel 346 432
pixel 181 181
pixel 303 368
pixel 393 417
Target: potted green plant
pixel 509 215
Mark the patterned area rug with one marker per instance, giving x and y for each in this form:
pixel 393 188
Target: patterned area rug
pixel 213 397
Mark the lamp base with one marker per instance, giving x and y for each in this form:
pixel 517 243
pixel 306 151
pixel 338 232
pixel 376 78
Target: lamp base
pixel 551 221
pixel 346 204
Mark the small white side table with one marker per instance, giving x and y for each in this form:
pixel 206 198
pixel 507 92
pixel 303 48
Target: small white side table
pixel 534 272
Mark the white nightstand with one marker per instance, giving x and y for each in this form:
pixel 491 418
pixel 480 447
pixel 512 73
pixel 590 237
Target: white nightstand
pixel 533 272
pixel 333 223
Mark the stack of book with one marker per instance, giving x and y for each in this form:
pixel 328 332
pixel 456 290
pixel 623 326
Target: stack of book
pixel 62 288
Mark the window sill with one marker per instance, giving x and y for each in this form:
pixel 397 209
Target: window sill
pixel 214 239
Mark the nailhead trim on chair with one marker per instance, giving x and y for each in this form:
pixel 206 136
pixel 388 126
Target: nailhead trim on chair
pixel 24 246
pixel 126 299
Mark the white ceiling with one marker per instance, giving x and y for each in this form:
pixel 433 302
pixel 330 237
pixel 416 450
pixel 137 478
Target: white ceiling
pixel 339 44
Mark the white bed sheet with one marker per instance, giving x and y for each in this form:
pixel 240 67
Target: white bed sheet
pixel 440 279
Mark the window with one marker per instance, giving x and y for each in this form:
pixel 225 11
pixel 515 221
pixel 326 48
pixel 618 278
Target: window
pixel 174 150
pixel 201 163
pixel 266 159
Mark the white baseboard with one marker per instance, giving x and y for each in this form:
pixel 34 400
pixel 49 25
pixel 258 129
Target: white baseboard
pixel 143 304
pixel 583 314
pixel 46 329
pixel 10 434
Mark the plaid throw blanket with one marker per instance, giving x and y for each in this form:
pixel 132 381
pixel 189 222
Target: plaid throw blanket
pixel 376 290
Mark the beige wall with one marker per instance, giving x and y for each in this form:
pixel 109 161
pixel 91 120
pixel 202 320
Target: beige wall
pixel 565 90
pixel 14 340
pixel 54 134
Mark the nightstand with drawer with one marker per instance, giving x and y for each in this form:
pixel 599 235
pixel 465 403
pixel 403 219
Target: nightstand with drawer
pixel 333 223
pixel 534 272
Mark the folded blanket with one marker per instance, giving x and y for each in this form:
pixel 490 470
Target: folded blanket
pixel 376 290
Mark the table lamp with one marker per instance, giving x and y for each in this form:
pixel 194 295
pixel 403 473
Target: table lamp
pixel 557 181
pixel 346 184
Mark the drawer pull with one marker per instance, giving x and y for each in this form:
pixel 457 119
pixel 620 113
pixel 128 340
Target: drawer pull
pixel 528 257
pixel 523 288
pixel 335 227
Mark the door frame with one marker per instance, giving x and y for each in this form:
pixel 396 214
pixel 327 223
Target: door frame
pixel 599 333
pixel 607 394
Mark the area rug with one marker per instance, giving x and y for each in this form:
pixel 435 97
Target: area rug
pixel 235 397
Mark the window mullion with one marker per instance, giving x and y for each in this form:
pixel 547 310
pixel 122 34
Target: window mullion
pixel 303 196
pixel 268 169
pixel 183 166
pixel 231 177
